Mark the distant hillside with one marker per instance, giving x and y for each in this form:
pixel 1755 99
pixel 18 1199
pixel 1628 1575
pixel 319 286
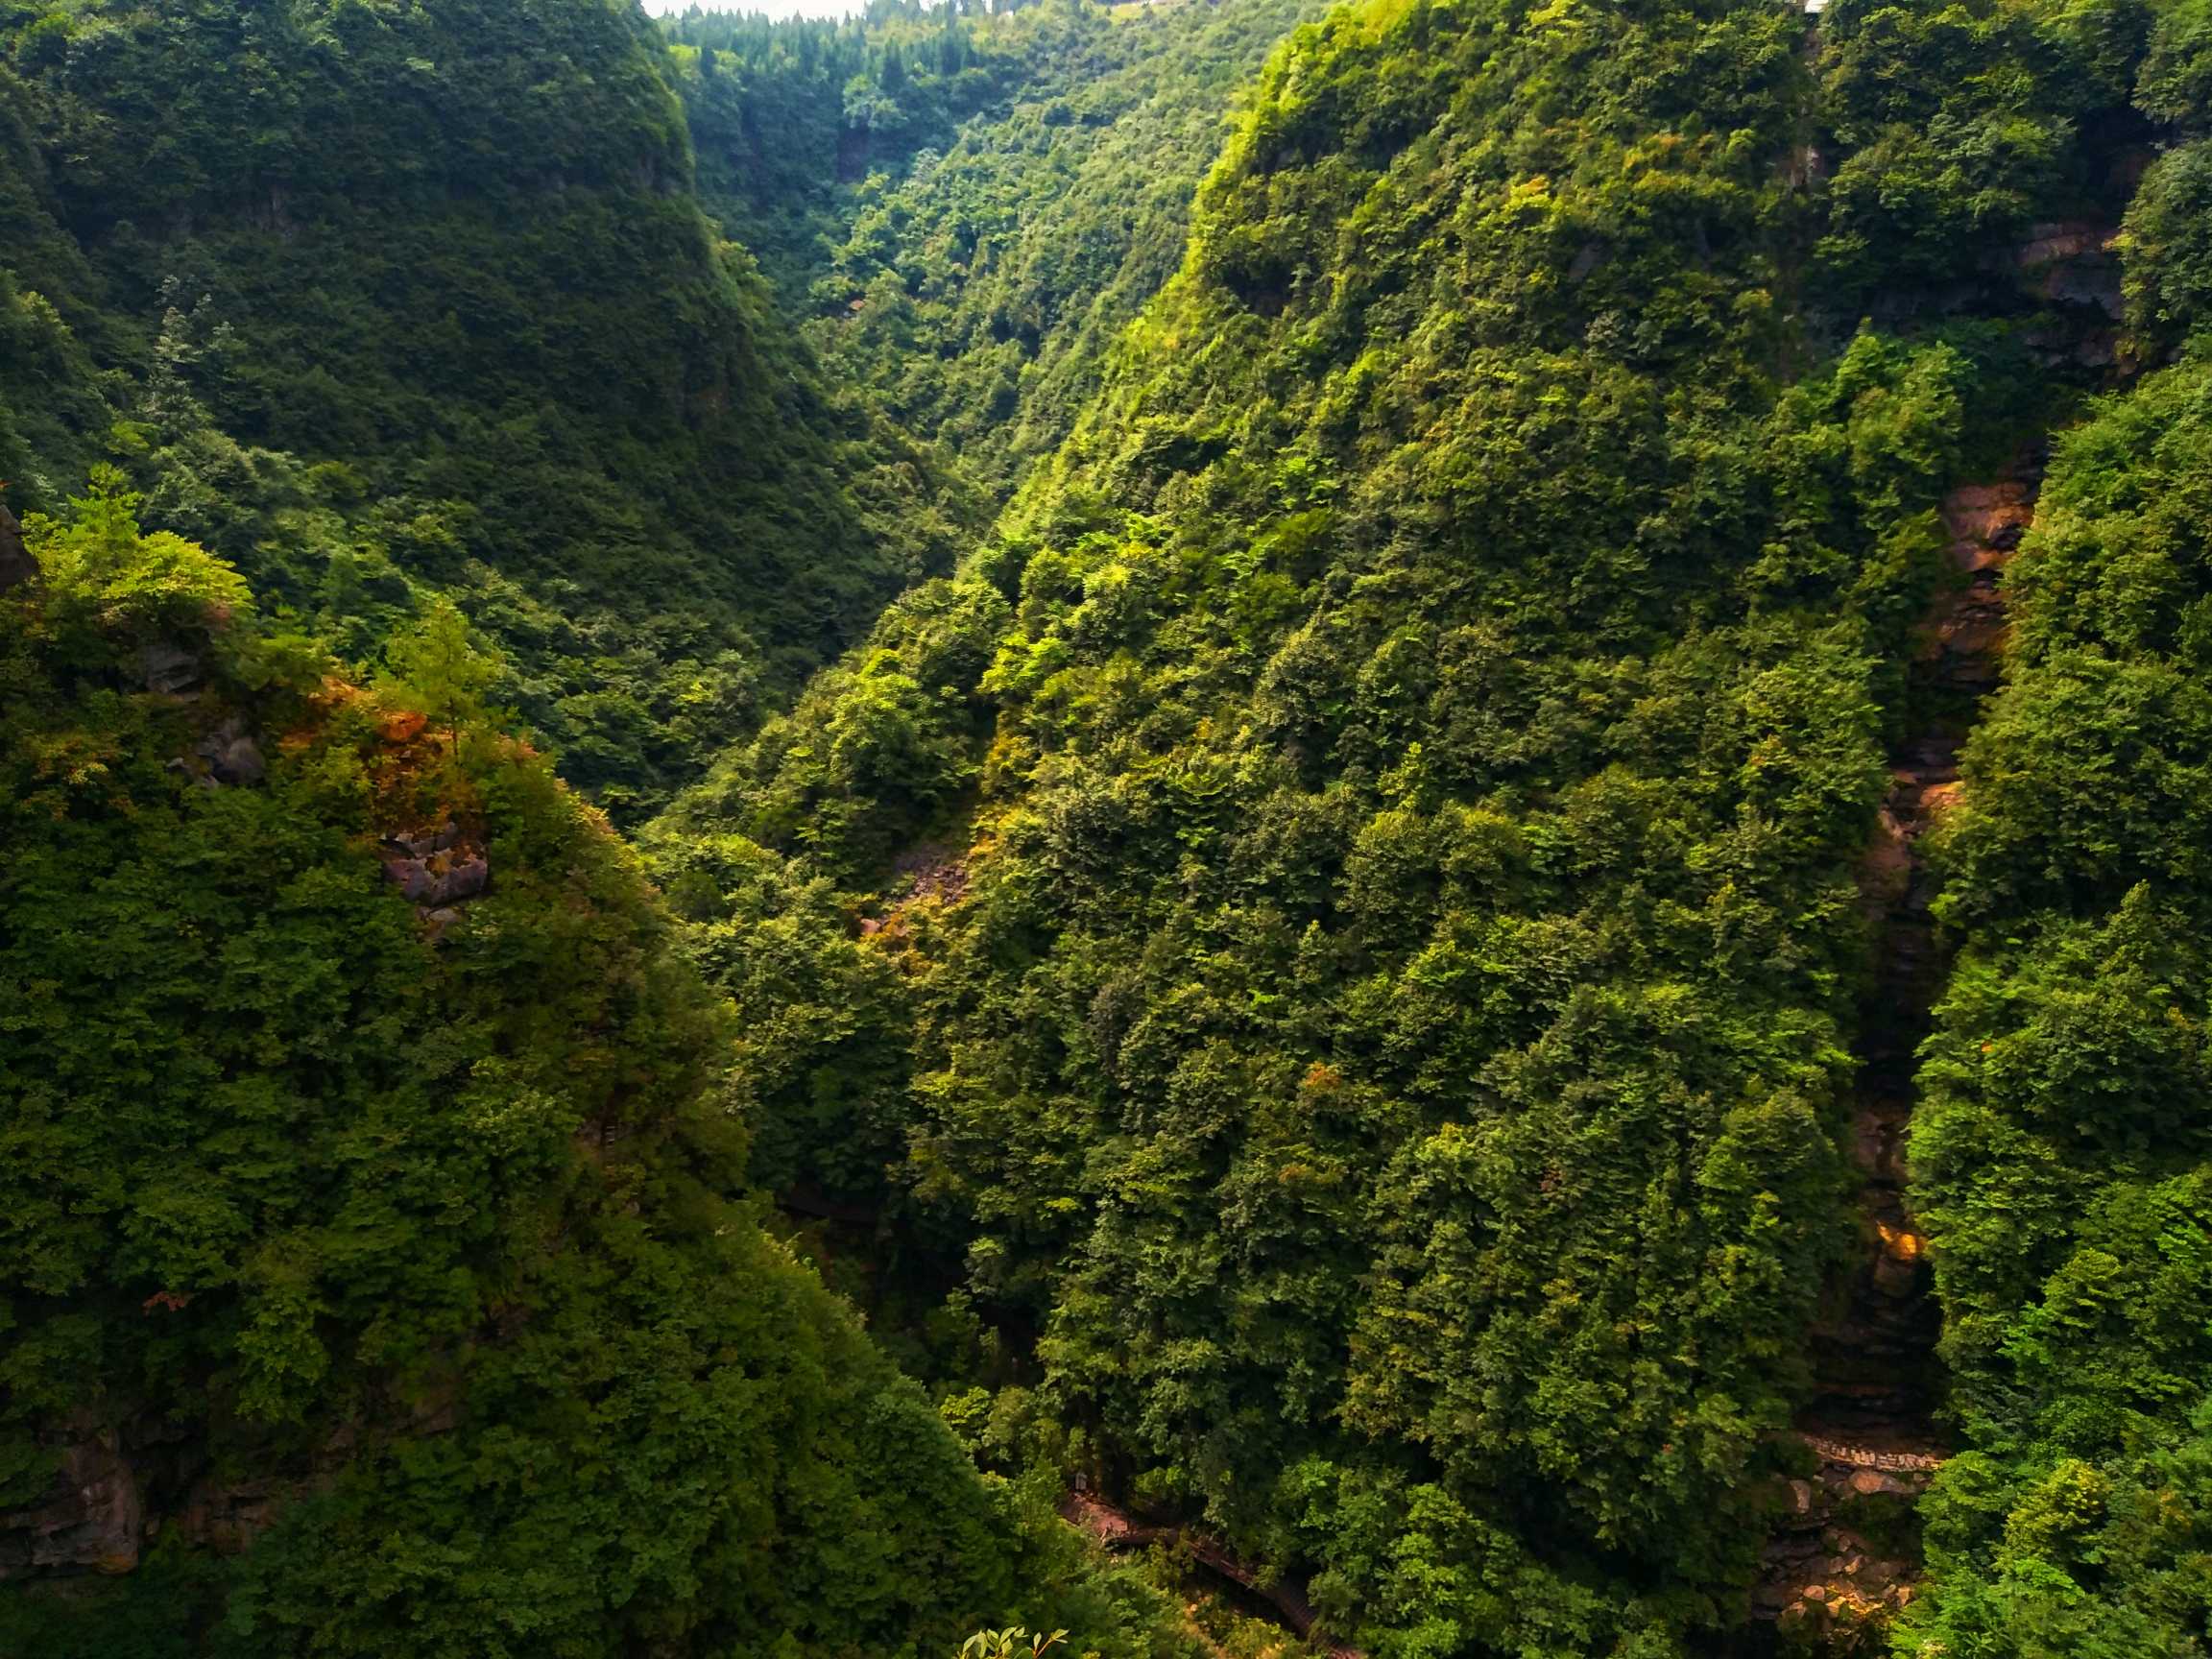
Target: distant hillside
pixel 389 302
pixel 973 209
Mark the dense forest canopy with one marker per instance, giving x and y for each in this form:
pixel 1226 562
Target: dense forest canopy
pixel 415 1231
pixel 779 791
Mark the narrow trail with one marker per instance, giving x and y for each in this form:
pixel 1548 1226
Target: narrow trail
pixel 1844 1559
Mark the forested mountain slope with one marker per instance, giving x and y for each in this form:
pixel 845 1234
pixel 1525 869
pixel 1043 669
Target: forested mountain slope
pixel 373 1274
pixel 1345 920
pixel 2061 1160
pixel 383 302
pixel 973 217
pixel 789 114
pixel 2066 1152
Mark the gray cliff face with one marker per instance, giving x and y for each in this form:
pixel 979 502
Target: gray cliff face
pixel 89 1521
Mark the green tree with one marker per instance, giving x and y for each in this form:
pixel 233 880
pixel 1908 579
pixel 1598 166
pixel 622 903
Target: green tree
pixel 438 666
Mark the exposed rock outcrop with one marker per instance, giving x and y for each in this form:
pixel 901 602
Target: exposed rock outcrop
pixel 232 755
pixel 119 1484
pixel 227 1517
pixel 1844 1557
pixel 436 868
pixel 91 1519
pixel 171 669
pixel 2073 269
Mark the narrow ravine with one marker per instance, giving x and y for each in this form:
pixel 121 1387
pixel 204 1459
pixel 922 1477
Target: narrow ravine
pixel 1846 1555
pixel 1286 1602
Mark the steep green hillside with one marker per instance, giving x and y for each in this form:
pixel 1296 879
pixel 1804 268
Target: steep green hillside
pixel 374 1283
pixel 789 114
pixel 388 300
pixel 978 296
pixel 2066 1162
pixel 1358 943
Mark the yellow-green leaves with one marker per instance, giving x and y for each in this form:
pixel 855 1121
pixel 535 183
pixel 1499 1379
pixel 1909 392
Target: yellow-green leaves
pixel 101 571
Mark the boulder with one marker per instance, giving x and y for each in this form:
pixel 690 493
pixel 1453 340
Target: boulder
pixel 170 669
pixel 242 764
pixel 467 878
pixel 232 754
pixel 1867 1483
pixel 415 880
pixel 428 842
pixel 433 875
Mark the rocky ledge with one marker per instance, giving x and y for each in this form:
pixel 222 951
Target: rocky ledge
pixel 439 870
pixel 1844 1559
